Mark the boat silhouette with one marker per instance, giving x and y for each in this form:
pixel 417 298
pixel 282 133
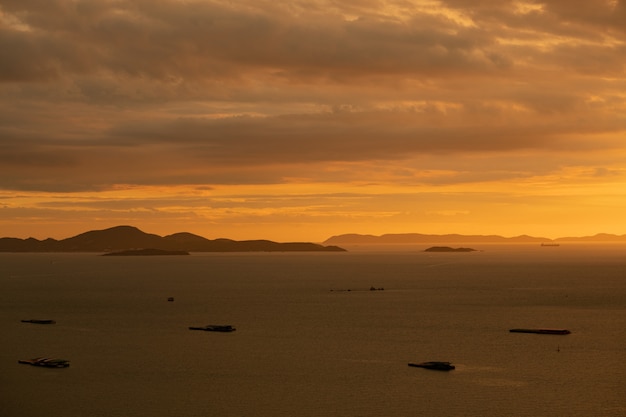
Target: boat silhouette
pixel 214 328
pixel 46 362
pixel 541 331
pixel 435 365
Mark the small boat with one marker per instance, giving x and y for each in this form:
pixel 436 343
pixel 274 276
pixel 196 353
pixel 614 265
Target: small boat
pixel 39 321
pixel 170 298
pixel 215 328
pixel 541 331
pixel 46 362
pixel 435 365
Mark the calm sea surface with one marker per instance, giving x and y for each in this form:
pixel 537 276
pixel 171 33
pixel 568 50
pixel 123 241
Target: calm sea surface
pixel 305 345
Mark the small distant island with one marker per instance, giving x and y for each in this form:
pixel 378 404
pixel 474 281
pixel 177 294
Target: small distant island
pixel 448 249
pixel 146 252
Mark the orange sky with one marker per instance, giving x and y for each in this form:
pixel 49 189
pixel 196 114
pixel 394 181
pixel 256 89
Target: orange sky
pixel 301 120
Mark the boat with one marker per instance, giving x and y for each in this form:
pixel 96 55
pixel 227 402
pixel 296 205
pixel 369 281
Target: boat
pixel 550 244
pixel 215 328
pixel 46 362
pixel 541 331
pixel 435 365
pixel 39 321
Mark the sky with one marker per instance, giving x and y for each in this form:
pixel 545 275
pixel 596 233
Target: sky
pixel 300 120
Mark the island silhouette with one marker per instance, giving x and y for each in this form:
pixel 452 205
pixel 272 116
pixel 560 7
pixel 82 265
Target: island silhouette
pixel 146 252
pixel 129 238
pixel 419 238
pixel 448 249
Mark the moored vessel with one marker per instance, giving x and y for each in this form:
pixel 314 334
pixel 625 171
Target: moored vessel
pixel 37 321
pixel 46 362
pixel 214 328
pixel 435 365
pixel 541 331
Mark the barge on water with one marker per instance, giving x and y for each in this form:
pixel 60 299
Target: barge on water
pixel 46 362
pixel 214 328
pixel 37 321
pixel 435 365
pixel 541 331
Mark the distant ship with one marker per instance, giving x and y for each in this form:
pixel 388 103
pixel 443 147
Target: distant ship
pixel 39 321
pixel 541 331
pixel 46 362
pixel 550 244
pixel 215 328
pixel 435 365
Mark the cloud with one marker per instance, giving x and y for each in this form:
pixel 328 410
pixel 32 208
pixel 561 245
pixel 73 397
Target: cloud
pixel 99 93
pixel 171 40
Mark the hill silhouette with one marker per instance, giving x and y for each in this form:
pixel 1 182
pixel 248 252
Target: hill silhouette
pixel 129 237
pixel 418 238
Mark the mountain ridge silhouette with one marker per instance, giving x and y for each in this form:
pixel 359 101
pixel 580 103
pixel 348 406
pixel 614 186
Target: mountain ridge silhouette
pixel 129 237
pixel 419 238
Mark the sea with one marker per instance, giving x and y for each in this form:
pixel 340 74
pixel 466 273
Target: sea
pixel 318 334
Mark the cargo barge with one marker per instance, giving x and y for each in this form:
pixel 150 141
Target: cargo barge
pixel 541 331
pixel 46 362
pixel 435 365
pixel 37 321
pixel 214 328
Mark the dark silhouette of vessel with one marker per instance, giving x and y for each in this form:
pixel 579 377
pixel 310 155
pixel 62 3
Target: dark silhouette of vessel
pixel 214 328
pixel 36 321
pixel 435 365
pixel 541 331
pixel 46 362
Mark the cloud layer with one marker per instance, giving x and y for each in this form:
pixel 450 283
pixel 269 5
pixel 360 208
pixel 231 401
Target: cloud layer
pixel 98 94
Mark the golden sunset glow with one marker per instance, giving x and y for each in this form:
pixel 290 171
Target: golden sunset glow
pixel 298 121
